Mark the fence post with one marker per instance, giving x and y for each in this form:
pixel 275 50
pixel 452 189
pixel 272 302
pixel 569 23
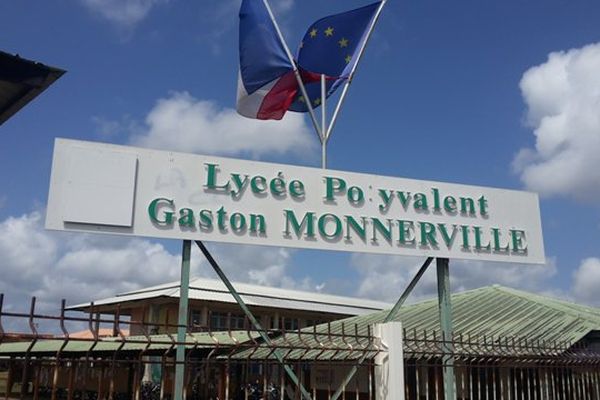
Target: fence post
pixel 389 364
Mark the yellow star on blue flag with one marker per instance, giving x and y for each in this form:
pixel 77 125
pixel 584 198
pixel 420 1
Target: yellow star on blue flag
pixel 329 48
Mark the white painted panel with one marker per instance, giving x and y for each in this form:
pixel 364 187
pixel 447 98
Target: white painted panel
pixel 100 187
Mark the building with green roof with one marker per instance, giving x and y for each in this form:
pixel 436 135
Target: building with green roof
pixel 507 344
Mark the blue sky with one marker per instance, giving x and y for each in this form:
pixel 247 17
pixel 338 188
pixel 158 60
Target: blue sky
pixel 503 94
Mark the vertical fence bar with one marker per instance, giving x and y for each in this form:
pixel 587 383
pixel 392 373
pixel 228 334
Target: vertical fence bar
pixel 478 376
pixel 471 387
pixel 571 382
pixel 563 384
pixel 357 387
pixel 264 381
pixel 429 388
pixel 323 122
pixel 493 383
pixel 371 369
pixel 500 382
pixel 583 384
pixel 314 391
pixel 592 386
pixel 100 383
pixel 526 383
pixel 597 382
pixel 578 383
pixel 418 381
pixel 462 381
pixel 486 382
pixel 554 383
pixel 71 381
pixel 36 381
pixel 281 383
pixel 546 391
pixel 588 384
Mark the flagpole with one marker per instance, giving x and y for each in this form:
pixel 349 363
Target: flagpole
pixel 353 70
pixel 323 122
pixel 320 133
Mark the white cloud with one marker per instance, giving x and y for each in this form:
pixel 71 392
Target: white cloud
pixel 55 265
pixel 110 129
pixel 27 252
pixel 563 100
pixel 182 123
pixel 385 277
pixel 282 6
pixel 221 18
pixel 123 13
pixel 107 128
pixel 83 267
pixel 586 282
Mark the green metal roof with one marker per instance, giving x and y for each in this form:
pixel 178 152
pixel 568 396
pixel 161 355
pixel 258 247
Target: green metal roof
pixel 130 344
pixel 492 311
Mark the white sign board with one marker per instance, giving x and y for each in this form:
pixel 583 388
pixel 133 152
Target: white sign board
pixel 132 191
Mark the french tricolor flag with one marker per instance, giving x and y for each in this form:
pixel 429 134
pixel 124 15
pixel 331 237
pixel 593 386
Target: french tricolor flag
pixel 267 85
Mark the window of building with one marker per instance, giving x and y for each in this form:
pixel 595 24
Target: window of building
pixel 313 322
pixel 219 321
pixel 195 321
pixel 290 324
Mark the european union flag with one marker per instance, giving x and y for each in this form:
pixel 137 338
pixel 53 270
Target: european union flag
pixel 330 47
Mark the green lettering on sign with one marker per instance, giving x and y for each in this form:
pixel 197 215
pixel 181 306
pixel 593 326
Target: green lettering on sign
pixel 168 215
pixel 307 224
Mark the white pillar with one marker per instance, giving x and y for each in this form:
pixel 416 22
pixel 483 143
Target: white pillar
pixel 389 364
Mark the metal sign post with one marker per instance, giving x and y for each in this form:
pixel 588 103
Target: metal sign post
pixel 445 306
pixel 323 135
pixel 182 320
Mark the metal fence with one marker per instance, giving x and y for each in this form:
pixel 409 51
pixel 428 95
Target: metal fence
pixel 53 363
pixel 59 364
pixel 501 368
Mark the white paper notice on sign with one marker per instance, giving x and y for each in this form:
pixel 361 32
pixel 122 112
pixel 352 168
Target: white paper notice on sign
pixel 125 190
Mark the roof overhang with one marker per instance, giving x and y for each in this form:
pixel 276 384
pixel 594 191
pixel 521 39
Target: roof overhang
pixel 21 81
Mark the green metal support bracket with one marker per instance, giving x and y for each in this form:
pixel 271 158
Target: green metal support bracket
pixel 390 317
pixel 305 394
